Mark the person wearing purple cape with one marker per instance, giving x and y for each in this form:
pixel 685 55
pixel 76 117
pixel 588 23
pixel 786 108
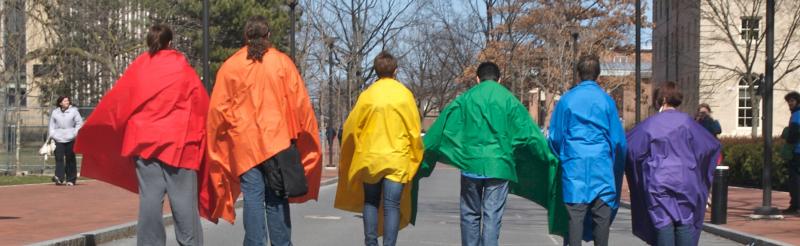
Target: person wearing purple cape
pixel 671 160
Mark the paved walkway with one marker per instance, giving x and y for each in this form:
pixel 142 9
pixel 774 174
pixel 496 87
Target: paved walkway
pixel 742 202
pixel 35 213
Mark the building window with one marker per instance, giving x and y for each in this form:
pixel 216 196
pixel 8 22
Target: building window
pixel 750 27
pixel 11 99
pixel 745 107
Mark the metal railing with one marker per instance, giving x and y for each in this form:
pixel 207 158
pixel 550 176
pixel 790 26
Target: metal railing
pixel 24 131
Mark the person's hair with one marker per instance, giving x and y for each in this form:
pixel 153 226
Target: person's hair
pixel 158 38
pixel 588 67
pixel 668 93
pixel 488 71
pixel 384 65
pixel 704 105
pixel 61 98
pixel 256 36
pixel 792 95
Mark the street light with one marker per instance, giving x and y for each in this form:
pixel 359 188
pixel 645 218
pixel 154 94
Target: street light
pixel 329 43
pixel 292 4
pixel 767 210
pixel 638 61
pixel 206 72
pixel 574 31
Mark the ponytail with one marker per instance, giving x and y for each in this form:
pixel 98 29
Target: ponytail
pixel 158 38
pixel 256 35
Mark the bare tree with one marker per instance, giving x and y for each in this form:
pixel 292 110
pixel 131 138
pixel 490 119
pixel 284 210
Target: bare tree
pixel 736 25
pixel 361 28
pixel 534 41
pixel 441 48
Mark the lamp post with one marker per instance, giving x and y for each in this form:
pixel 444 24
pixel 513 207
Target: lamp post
pixel 206 72
pixel 638 68
pixel 329 43
pixel 767 210
pixel 574 31
pixel 292 4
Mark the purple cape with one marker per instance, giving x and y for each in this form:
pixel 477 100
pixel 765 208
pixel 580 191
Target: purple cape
pixel 671 160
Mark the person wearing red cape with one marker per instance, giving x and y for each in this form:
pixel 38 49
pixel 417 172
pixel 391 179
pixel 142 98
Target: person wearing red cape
pixel 147 135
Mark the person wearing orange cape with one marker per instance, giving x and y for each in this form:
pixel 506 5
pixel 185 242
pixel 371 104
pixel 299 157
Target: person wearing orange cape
pixel 261 129
pixel 147 135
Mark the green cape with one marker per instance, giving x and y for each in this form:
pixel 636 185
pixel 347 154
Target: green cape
pixel 487 131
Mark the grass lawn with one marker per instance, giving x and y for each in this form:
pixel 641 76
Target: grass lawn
pixel 18 180
pixel 28 179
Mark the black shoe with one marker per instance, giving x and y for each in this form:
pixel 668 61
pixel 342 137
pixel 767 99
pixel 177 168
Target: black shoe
pixel 790 210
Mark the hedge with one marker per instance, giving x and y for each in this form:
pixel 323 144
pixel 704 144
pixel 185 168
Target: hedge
pixel 745 157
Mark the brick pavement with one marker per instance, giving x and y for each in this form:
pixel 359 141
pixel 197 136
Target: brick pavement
pixel 35 213
pixel 742 202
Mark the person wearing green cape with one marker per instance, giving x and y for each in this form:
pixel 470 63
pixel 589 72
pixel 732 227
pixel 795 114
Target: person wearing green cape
pixel 490 136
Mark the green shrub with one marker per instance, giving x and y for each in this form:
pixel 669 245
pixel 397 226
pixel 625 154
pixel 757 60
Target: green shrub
pixel 745 158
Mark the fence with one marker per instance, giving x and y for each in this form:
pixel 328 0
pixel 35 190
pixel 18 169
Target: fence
pixel 26 128
pixel 32 133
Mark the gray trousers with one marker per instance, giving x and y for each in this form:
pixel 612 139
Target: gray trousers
pixel 601 216
pixel 155 180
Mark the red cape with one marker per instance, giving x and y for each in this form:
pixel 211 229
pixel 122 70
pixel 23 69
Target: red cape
pixel 156 110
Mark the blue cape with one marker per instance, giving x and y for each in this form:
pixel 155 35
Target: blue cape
pixel 587 136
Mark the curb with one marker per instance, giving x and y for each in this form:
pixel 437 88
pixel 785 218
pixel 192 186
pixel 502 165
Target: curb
pixel 731 234
pixel 126 230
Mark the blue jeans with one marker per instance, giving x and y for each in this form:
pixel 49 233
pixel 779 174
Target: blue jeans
pixel 482 205
pixel 257 198
pixel 392 192
pixel 673 235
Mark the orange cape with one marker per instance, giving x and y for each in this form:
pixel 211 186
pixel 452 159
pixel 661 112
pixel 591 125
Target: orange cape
pixel 256 109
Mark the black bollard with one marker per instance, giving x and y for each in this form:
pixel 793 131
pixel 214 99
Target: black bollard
pixel 719 197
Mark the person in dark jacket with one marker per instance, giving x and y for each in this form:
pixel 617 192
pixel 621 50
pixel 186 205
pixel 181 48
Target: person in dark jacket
pixel 704 118
pixel 792 99
pixel 65 121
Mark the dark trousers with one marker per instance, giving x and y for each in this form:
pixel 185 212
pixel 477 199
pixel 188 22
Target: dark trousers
pixel 64 151
pixel 794 182
pixel 601 216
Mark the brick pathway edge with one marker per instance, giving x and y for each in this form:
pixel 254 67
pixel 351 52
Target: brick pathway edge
pixel 731 234
pixel 120 231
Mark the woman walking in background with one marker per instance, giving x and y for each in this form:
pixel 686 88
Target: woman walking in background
pixel 65 121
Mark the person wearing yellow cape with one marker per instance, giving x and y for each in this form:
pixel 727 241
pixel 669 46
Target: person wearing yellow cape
pixel 380 154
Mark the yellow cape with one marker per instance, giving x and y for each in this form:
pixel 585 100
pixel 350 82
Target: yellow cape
pixel 381 139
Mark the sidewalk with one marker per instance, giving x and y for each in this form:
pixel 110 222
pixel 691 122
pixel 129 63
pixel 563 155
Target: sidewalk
pixel 741 203
pixel 41 212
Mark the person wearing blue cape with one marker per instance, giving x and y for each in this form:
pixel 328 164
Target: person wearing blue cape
pixel 587 136
pixel 671 160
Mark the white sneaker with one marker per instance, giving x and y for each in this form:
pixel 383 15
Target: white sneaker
pixel 70 184
pixel 56 180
